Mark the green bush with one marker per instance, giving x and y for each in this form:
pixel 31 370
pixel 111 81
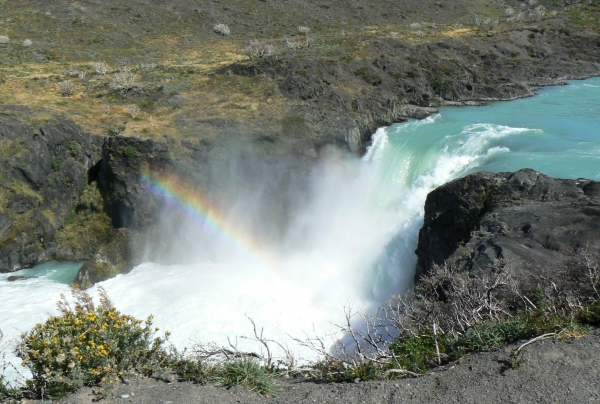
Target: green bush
pixel 441 86
pixel 9 394
pixel 368 76
pixel 591 314
pixel 57 163
pixel 130 152
pixel 74 148
pixel 337 371
pixel 244 372
pixel 88 346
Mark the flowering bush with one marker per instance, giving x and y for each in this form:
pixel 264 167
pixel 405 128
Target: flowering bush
pixel 89 346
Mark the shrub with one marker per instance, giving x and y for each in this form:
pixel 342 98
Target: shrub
pixel 303 30
pixel 72 72
pixel 57 163
pixel 259 49
pixel 123 82
pixel 132 109
pixel 27 43
pixel 115 130
pixel 369 76
pixel 101 68
pixel 221 29
pixel 74 148
pixel 8 392
pixel 130 152
pixel 293 45
pixel 66 88
pixel 88 346
pixel 4 39
pixel 245 372
pixel 441 86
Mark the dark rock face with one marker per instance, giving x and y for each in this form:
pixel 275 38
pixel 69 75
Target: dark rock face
pixel 128 201
pixel 48 178
pixel 42 172
pixel 535 222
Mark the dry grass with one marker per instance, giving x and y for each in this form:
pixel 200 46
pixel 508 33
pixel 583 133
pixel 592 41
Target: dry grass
pixel 70 32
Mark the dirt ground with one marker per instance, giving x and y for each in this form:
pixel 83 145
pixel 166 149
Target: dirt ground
pixel 565 371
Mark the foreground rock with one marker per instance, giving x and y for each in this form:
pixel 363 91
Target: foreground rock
pixel 552 372
pixel 540 225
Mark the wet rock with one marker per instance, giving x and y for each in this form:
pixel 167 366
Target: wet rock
pixel 112 259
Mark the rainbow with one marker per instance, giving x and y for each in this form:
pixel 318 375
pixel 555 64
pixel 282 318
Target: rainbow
pixel 190 201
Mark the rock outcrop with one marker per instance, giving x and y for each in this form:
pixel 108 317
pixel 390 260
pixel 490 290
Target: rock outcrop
pixel 42 174
pixel 128 202
pixel 539 224
pixel 408 80
pixel 71 195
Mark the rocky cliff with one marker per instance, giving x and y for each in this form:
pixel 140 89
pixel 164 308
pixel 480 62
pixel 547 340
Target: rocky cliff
pixel 42 174
pixel 539 224
pixel 70 195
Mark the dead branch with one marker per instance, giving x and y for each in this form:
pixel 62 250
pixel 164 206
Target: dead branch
pixel 402 372
pixel 531 341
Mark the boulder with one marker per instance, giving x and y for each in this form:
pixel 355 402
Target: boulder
pixel 540 225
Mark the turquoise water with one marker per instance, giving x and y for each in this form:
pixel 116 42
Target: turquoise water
pixel 556 132
pixel 59 272
pixel 355 238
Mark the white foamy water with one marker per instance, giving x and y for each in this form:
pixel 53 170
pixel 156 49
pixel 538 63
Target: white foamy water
pixel 352 241
pixel 351 244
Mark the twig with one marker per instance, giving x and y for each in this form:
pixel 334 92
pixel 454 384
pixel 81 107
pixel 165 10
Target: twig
pixel 402 372
pixel 531 341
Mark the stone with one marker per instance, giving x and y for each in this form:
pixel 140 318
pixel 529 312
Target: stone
pixel 537 223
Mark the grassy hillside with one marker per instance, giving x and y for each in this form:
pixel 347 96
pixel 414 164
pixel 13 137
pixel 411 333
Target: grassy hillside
pixel 174 56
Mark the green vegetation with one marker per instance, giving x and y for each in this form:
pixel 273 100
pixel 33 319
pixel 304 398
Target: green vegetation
pixel 57 163
pixel 88 346
pixel 586 15
pixel 87 226
pixel 419 354
pixel 245 372
pixel 130 152
pixel 295 126
pixel 450 315
pixel 441 86
pixel 369 76
pixel 96 346
pixel 8 393
pixel 74 148
pixel 235 371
